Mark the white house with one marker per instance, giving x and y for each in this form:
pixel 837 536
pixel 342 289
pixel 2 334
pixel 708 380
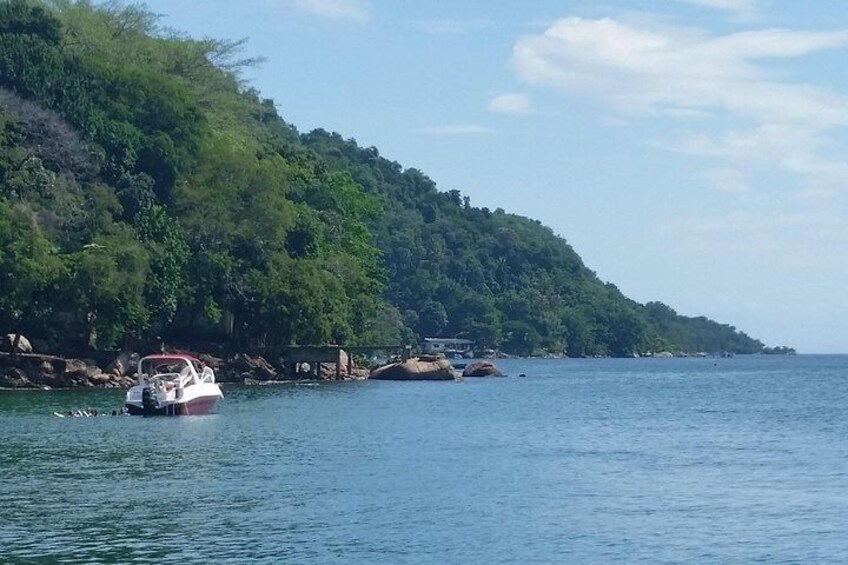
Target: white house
pixel 448 346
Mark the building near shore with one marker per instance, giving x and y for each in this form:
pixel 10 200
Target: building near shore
pixel 448 346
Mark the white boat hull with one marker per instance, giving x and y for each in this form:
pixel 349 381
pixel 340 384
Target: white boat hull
pixel 195 407
pixel 193 401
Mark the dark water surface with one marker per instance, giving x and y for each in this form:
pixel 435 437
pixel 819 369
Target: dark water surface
pixel 584 461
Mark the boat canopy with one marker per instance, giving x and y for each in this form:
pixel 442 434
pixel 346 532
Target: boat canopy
pixel 169 365
pixel 174 367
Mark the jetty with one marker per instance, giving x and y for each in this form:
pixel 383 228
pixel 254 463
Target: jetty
pixel 335 355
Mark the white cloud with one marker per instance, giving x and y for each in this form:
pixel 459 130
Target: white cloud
pixel 514 103
pixel 453 26
pixel 455 129
pixel 355 10
pixel 738 6
pixel 686 76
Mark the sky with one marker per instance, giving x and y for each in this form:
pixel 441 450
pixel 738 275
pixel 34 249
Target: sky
pixel 693 152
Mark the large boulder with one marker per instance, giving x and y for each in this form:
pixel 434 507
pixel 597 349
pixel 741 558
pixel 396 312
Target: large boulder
pixel 7 342
pixel 14 377
pixel 328 370
pixel 482 369
pixel 358 374
pixel 303 371
pixel 40 371
pixel 215 363
pixel 79 372
pixel 343 361
pixel 423 368
pixel 125 364
pixel 243 366
pixel 102 379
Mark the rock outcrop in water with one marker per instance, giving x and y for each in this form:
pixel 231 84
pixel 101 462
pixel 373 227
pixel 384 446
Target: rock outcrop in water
pixel 422 368
pixel 482 369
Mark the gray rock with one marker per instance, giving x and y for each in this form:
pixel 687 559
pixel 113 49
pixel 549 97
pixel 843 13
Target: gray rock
pixel 126 363
pixel 241 365
pixel 423 368
pixel 482 369
pixel 8 341
pixel 13 377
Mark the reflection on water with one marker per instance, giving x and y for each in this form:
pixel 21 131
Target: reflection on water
pixel 728 460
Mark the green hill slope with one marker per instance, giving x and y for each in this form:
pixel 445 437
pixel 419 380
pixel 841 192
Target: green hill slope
pixel 501 279
pixel 146 193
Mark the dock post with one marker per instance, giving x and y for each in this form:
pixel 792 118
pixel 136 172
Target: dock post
pixel 339 364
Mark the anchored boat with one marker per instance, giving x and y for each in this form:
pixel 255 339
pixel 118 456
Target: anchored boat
pixel 173 385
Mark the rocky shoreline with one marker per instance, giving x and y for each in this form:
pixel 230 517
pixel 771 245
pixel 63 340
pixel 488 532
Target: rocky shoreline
pixel 28 370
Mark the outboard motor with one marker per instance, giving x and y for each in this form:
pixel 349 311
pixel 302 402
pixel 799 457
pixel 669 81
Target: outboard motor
pixel 148 400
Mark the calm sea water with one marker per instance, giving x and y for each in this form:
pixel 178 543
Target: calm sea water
pixel 584 461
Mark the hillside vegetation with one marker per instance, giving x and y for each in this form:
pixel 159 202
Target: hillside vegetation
pixel 146 193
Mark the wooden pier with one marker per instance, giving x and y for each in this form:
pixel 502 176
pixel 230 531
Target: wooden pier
pixel 318 355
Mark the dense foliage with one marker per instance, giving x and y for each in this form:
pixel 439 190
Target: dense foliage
pixel 501 279
pixel 146 194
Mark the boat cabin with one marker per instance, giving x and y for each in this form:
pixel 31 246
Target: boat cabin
pixel 168 371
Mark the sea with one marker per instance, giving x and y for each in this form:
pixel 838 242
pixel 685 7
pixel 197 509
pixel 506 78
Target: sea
pixel 707 460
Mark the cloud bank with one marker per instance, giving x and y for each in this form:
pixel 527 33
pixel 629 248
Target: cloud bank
pixel 682 74
pixel 737 6
pixel 515 104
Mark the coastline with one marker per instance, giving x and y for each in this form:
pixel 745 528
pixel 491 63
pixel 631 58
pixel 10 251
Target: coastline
pixel 35 371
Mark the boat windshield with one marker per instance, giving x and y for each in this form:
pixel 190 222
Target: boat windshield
pixel 167 369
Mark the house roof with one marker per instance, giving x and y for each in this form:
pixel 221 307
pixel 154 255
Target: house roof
pixel 448 340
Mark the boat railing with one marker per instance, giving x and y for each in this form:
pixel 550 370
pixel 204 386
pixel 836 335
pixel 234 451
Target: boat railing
pixel 208 375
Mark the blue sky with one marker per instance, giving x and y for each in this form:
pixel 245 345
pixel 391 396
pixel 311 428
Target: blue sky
pixel 692 151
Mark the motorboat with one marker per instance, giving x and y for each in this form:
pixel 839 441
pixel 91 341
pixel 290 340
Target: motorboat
pixel 173 385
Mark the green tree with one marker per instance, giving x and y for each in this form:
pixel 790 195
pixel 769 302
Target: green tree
pixel 432 319
pixel 29 272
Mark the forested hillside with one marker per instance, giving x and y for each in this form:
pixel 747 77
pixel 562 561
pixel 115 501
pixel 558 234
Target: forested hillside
pixel 146 193
pixel 501 279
